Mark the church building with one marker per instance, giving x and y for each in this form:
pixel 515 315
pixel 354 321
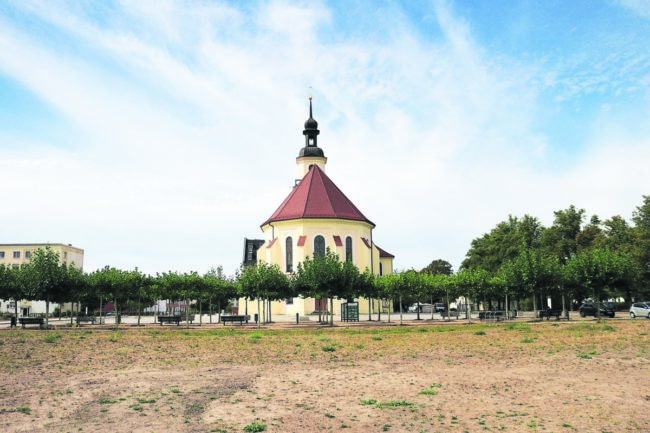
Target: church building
pixel 315 216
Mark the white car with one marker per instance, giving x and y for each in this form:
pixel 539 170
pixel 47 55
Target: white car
pixel 424 308
pixel 641 309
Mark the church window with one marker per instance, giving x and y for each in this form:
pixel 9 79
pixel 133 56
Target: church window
pixel 348 249
pixel 289 254
pixel 381 269
pixel 319 246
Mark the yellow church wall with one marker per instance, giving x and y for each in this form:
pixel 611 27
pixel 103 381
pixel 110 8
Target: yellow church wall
pixel 310 228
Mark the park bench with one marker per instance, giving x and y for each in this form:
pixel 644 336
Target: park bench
pixel 234 318
pixel 449 314
pixel 548 313
pixel 169 319
pixel 497 315
pixel 85 319
pixel 31 321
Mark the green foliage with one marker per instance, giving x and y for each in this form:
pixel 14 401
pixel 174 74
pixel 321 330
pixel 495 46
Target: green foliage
pixel 254 427
pixel 429 392
pixel 52 338
pixel 24 409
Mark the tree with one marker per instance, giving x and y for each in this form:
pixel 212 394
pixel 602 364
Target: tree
pixel 10 287
pixel 504 243
pixel 45 278
pixel 109 284
pixel 438 266
pixel 219 289
pixel 324 277
pixel 263 281
pixel 599 273
pixel 641 249
pixel 561 238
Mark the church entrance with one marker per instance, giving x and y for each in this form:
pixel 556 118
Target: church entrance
pixel 320 305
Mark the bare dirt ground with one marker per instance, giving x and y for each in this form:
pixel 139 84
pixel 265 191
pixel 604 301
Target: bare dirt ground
pixel 580 376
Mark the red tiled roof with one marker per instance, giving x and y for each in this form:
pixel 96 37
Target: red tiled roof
pixel 365 241
pixel 337 241
pixel 384 253
pixel 271 242
pixel 301 241
pixel 316 196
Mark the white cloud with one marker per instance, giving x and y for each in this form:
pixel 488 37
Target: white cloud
pixel 187 121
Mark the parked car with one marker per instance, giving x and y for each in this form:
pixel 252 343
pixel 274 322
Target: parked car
pixel 641 309
pixel 423 308
pixel 590 309
pixel 440 307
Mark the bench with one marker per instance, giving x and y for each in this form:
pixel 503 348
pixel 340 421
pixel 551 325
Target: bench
pixel 86 319
pixel 234 318
pixel 449 314
pixel 31 321
pixel 548 313
pixel 169 319
pixel 497 315
pixel 174 319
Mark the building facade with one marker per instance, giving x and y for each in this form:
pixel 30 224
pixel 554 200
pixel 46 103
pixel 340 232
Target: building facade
pixel 314 217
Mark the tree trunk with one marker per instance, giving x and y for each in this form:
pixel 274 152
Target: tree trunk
pixel 47 312
pixel 369 310
pixel 331 311
pixel 401 320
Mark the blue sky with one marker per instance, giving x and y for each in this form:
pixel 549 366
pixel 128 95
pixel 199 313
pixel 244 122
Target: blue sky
pixel 159 134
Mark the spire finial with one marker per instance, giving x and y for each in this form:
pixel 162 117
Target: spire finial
pixel 310 115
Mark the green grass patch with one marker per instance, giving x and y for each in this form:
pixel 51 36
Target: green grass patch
pixel 479 333
pixel 527 340
pixel 52 338
pixel 394 404
pixel 429 392
pixel 107 401
pixel 608 328
pixel 254 427
pixel 24 409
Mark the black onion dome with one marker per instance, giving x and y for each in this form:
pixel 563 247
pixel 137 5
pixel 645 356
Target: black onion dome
pixel 311 123
pixel 311 151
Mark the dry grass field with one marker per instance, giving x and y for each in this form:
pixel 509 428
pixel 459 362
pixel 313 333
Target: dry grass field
pixel 580 376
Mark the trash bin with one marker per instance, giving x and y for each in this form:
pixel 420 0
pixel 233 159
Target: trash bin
pixel 12 323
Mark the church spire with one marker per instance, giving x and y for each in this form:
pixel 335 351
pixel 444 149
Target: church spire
pixel 311 135
pixel 310 154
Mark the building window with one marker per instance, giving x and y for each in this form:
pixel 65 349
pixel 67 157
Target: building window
pixel 15 266
pixel 289 254
pixel 289 301
pixel 28 254
pixel 249 253
pixel 381 269
pixel 2 254
pixel 348 249
pixel 16 254
pixel 65 255
pixel 319 246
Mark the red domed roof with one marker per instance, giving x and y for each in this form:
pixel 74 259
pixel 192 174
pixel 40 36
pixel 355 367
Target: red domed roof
pixel 316 196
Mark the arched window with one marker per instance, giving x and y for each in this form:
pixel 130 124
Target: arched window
pixel 288 254
pixel 319 246
pixel 348 249
pixel 381 269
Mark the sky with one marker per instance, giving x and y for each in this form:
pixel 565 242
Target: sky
pixel 158 134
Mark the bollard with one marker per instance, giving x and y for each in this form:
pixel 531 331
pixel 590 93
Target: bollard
pixel 297 319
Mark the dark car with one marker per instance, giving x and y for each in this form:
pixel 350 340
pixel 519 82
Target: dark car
pixel 590 309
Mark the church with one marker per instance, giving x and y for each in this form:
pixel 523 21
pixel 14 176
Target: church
pixel 314 217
